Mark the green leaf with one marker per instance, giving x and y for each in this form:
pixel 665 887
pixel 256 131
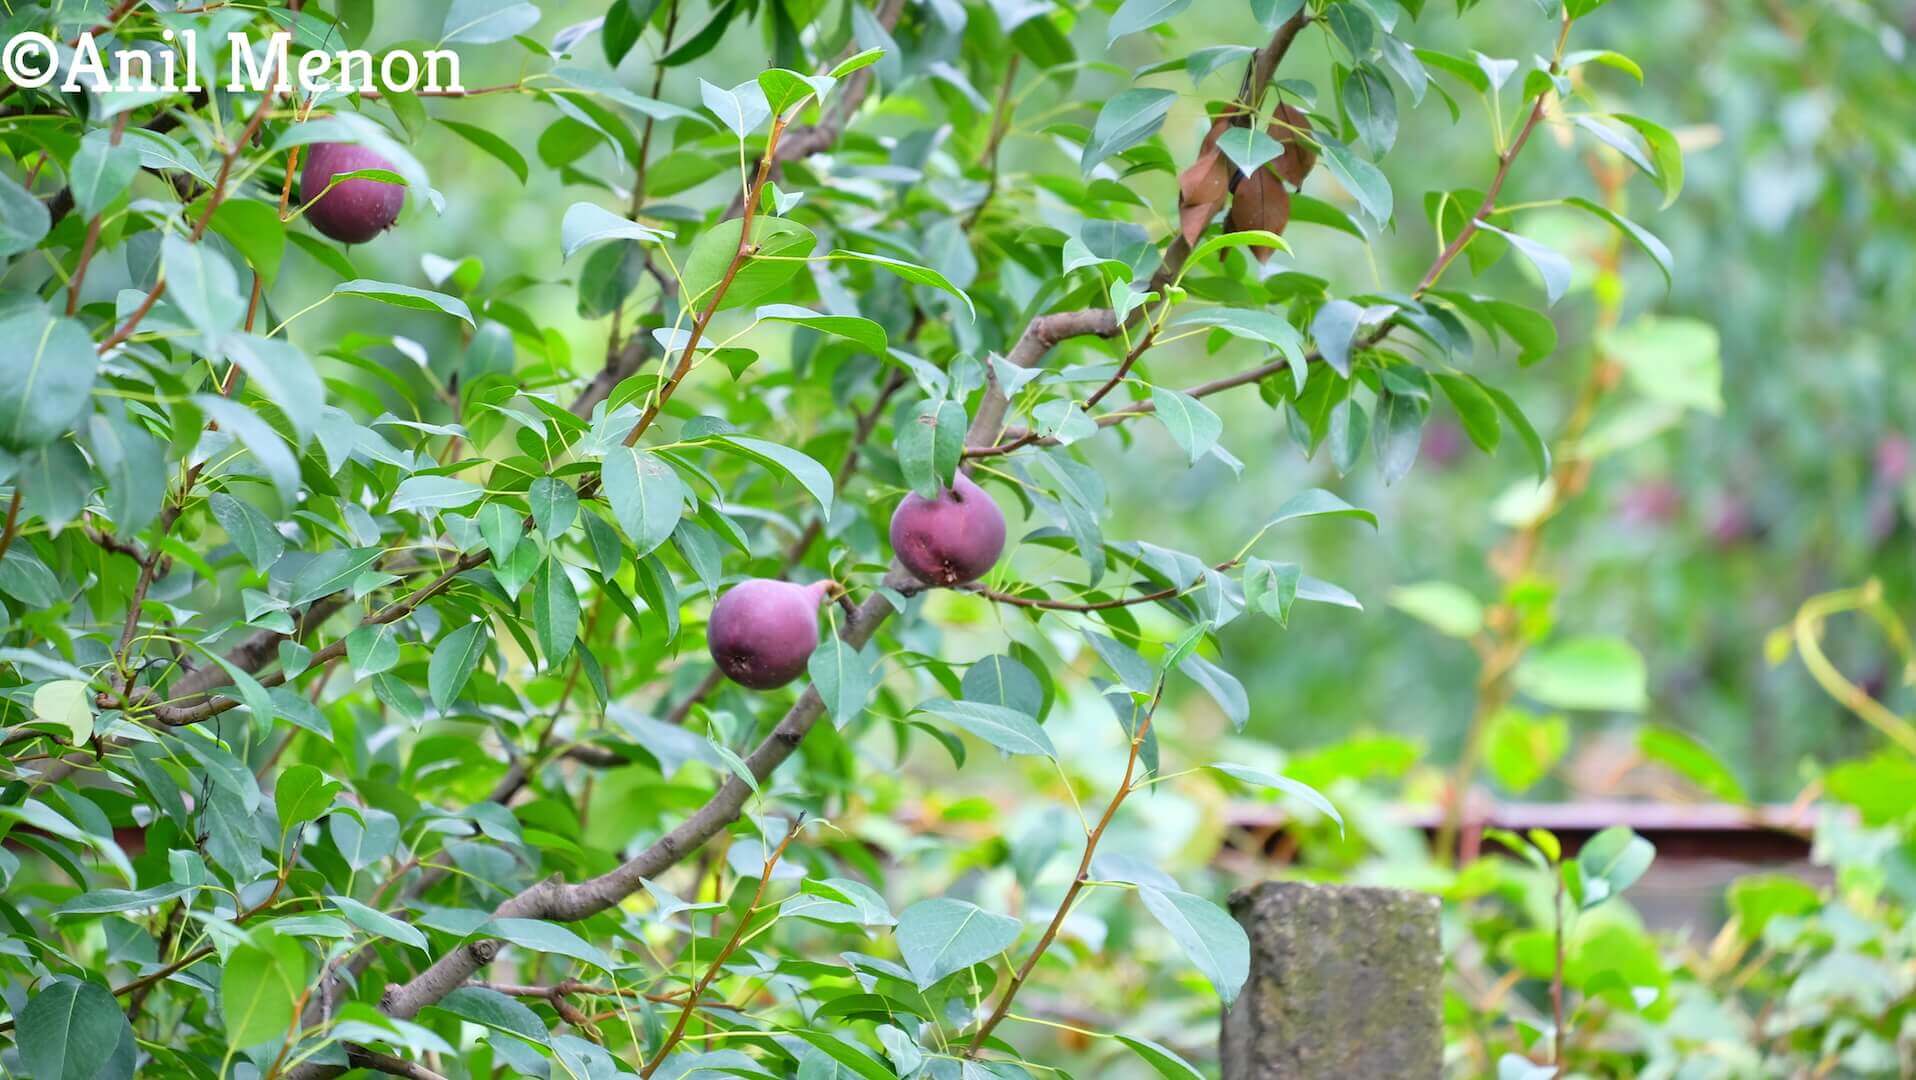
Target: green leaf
pixel 930 445
pixel 1249 148
pixel 1213 940
pixel 784 88
pixel 588 223
pixel 1372 107
pixel 1758 898
pixel 545 937
pixel 863 58
pixel 1334 328
pixel 646 494
pixel 912 272
pixel 405 296
pixel 255 231
pixel 1552 267
pixel 780 250
pixel 1271 588
pixel 491 1009
pixel 1134 672
pixel 1449 608
pixel 1474 408
pixel 1602 673
pixel 742 108
pixel 1316 502
pixel 502 529
pixel 1695 761
pixel 1521 748
pixel 259 985
pixel 66 703
pixel 940 936
pixel 555 506
pixel 330 571
pixel 844 678
pixel 1008 730
pixel 23 220
pixel 202 285
pixel 105 901
pixel 378 922
pixel 435 493
pixel 1643 237
pixel 555 610
pixel 70 1030
pixel 251 532
pixel 1664 153
pixel 302 794
pixel 1129 118
pixel 1534 333
pixel 1611 862
pixel 261 440
pixel 1167 1063
pixel 1223 687
pixel 1260 778
pixel 1242 238
pixel 1672 360
pixel 454 660
pixel 483 22
pixel 1364 181
pixel 1533 443
pixel 1195 427
pixel 373 649
pixel 283 375
pixel 1135 15
pixel 133 464
pixel 100 172
pixel 811 476
pixel 850 327
pixel 488 142
pixel 46 376
pixel 1004 682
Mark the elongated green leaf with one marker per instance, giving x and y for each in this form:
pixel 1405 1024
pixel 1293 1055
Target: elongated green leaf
pixel 1129 118
pixel 912 272
pixel 1213 940
pixel 454 660
pixel 1008 730
pixel 406 296
pixel 941 936
pixel 70 1030
pixel 46 375
pixel 646 496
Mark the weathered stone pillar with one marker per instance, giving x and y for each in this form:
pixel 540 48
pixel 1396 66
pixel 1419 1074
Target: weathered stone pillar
pixel 1346 982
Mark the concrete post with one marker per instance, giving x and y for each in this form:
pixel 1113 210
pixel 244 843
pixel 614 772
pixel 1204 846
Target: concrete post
pixel 1346 982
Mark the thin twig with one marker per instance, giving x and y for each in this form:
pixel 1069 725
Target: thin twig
pixel 12 528
pixel 1077 883
pixel 725 953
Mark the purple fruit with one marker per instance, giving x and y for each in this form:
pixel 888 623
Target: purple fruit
pixel 762 632
pixel 954 538
pixel 355 211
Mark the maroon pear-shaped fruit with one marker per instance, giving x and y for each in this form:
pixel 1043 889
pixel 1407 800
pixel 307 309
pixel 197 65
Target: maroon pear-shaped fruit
pixel 952 539
pixel 354 211
pixel 762 631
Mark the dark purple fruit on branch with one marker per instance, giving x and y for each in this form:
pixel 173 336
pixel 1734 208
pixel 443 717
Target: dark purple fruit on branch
pixel 952 539
pixel 354 211
pixel 762 632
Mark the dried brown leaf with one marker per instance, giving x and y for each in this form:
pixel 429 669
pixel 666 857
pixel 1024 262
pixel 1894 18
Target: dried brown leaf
pixel 1260 203
pixel 1299 158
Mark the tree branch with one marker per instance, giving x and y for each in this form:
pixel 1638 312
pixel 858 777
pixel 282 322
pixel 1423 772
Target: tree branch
pixel 725 953
pixel 1077 883
pixel 386 1063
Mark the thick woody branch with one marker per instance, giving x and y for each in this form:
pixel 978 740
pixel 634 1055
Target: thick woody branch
pixel 386 1063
